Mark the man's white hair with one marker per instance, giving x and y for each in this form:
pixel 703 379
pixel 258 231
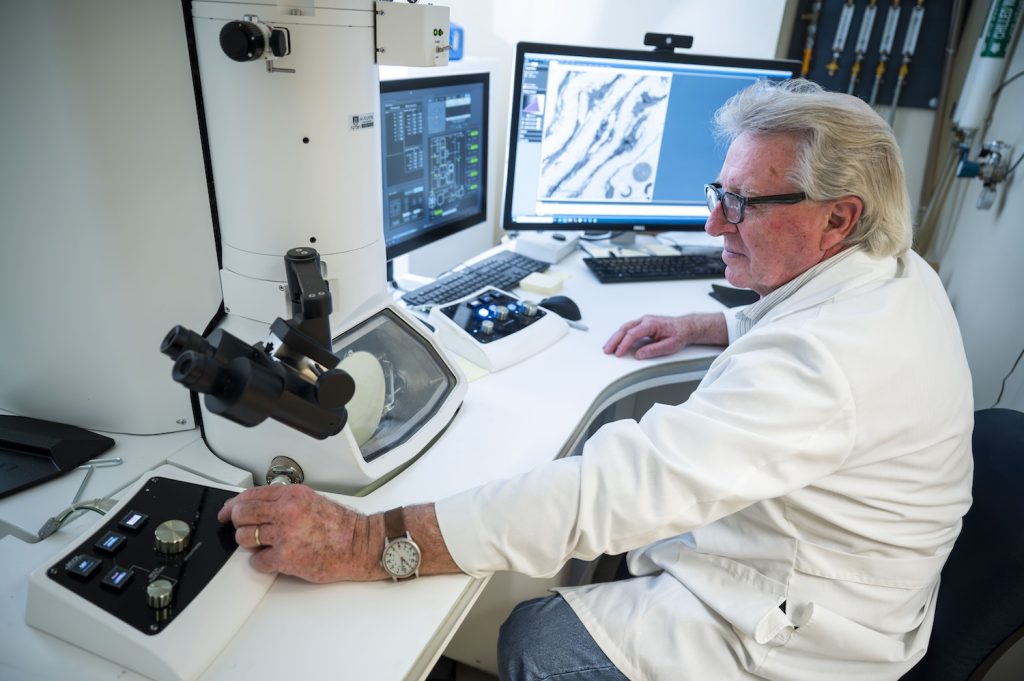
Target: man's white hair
pixel 845 148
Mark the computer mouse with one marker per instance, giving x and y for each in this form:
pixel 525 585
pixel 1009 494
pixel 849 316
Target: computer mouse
pixel 562 306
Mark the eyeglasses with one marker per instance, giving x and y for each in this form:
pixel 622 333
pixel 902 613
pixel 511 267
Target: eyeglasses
pixel 734 206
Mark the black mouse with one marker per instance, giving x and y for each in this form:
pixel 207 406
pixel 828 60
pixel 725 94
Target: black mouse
pixel 563 307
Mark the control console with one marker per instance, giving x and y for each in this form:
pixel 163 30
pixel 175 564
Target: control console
pixel 129 589
pixel 494 329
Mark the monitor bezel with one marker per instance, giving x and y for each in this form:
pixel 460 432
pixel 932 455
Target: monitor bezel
pixel 523 48
pixel 439 232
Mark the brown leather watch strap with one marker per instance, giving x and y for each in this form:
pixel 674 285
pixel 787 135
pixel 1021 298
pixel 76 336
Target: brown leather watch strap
pixel 394 523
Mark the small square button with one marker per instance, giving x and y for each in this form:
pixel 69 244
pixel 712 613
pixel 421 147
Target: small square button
pixel 133 521
pixel 83 566
pixel 110 543
pixel 117 579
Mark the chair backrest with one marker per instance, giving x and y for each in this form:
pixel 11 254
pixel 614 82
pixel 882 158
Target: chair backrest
pixel 980 611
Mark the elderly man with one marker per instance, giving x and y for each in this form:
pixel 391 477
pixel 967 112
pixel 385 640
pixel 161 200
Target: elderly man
pixel 790 520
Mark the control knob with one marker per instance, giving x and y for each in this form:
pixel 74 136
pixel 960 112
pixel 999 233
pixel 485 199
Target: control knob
pixel 247 40
pixel 487 327
pixel 530 308
pixel 242 40
pixel 502 313
pixel 172 537
pixel 158 594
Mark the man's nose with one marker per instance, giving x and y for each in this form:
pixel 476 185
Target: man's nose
pixel 717 225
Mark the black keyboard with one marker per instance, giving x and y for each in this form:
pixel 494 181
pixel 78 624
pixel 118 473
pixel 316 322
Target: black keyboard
pixel 612 270
pixel 504 270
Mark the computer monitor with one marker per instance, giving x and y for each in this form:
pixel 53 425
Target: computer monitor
pixel 617 140
pixel 434 153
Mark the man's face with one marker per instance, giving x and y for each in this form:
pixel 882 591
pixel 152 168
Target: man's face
pixel 775 242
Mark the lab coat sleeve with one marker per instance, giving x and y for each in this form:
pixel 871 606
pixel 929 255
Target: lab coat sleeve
pixel 774 414
pixel 732 325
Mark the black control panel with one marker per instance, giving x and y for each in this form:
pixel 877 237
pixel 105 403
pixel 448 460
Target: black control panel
pixel 493 315
pixel 154 556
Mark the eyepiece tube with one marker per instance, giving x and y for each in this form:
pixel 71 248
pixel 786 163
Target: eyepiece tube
pixel 179 339
pixel 196 371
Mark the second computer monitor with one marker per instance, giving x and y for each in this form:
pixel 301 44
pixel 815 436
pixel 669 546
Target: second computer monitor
pixel 434 153
pixel 617 140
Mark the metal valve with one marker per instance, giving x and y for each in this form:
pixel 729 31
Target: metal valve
pixel 991 168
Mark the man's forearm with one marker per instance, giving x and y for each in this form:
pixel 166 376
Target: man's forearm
pixel 706 328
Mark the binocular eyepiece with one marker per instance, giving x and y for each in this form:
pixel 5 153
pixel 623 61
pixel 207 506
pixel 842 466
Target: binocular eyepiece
pixel 247 385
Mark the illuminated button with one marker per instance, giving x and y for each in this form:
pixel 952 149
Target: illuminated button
pixel 117 579
pixel 133 521
pixel 83 566
pixel 110 543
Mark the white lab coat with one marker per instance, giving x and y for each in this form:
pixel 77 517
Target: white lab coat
pixel 824 462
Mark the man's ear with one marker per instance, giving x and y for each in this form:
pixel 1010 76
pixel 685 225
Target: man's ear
pixel 843 217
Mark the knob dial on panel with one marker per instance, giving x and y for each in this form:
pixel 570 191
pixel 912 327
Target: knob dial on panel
pixel 530 309
pixel 502 312
pixel 242 40
pixel 158 594
pixel 172 536
pixel 487 327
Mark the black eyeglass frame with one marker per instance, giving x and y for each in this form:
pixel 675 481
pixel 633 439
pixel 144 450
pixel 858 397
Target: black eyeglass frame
pixel 715 190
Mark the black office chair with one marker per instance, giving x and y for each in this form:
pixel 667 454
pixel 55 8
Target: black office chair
pixel 980 612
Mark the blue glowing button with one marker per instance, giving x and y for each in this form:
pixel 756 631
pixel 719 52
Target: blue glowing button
pixel 111 542
pixel 133 521
pixel 83 566
pixel 117 578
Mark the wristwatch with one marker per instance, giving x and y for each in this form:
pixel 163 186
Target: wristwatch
pixel 401 557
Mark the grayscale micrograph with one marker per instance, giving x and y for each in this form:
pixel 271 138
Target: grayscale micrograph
pixel 602 135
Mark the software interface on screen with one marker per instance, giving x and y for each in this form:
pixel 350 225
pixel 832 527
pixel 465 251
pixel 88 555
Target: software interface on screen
pixel 434 158
pixel 620 142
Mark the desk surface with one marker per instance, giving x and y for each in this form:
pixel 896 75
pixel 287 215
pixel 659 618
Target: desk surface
pixel 549 399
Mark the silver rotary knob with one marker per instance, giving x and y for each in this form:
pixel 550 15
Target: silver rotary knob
pixel 487 327
pixel 172 537
pixel 530 308
pixel 158 594
pixel 502 313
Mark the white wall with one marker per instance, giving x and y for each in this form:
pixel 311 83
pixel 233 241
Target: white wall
pixel 979 256
pixel 102 196
pixel 493 27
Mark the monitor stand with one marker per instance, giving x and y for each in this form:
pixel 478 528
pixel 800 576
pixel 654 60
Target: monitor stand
pixel 614 238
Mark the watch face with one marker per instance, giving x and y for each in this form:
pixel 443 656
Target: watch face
pixel 401 558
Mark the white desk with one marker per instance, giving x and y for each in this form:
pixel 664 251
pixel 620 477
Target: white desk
pixel 511 421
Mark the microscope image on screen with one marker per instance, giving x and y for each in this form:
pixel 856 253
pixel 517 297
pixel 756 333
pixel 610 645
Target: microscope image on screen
pixel 613 141
pixel 602 134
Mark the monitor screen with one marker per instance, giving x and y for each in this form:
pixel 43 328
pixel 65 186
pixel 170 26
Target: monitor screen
pixel 617 140
pixel 434 153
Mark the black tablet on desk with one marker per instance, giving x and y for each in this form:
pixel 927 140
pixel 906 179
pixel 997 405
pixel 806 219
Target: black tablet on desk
pixel 34 451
